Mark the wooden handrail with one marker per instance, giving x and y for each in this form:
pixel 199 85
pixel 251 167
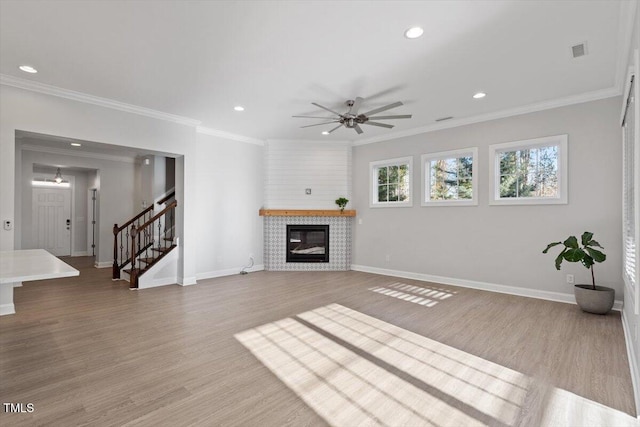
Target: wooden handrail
pixel 117 229
pixel 167 197
pixel 158 215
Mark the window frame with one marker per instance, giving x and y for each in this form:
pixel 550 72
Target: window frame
pixel 373 182
pixel 561 141
pixel 451 154
pixel 631 178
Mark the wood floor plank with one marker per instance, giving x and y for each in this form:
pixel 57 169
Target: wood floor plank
pixel 89 351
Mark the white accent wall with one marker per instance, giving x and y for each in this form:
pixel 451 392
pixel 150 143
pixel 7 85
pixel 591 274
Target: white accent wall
pixel 293 166
pixel 500 245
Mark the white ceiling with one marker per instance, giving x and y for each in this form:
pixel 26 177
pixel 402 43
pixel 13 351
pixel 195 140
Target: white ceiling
pixel 199 59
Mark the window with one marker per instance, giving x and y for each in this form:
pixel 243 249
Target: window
pixel 630 202
pixel 391 182
pixel 449 178
pixel 529 172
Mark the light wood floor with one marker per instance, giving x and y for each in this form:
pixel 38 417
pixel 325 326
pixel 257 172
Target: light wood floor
pixel 87 350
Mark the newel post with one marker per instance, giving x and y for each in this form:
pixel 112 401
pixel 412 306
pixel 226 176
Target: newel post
pixel 134 270
pixel 115 269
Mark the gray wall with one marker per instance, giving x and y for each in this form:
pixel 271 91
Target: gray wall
pixel 229 187
pixel 500 244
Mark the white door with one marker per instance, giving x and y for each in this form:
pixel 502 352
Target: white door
pixel 52 220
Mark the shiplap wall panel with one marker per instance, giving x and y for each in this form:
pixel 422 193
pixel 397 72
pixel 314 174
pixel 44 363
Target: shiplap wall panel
pixel 291 167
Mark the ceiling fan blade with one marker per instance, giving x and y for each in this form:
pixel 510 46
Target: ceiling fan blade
pixel 318 124
pixel 325 108
pixel 358 129
pixel 340 125
pixel 385 108
pixel 401 116
pixel 356 106
pixel 382 125
pixel 313 117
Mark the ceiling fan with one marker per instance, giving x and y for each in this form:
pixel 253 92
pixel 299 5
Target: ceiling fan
pixel 352 120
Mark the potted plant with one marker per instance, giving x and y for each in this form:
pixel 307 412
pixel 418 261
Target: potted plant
pixel 342 202
pixel 590 298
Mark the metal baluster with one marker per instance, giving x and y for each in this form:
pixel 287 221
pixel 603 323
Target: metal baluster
pixel 127 245
pixel 133 277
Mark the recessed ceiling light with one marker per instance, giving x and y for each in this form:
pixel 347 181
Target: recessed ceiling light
pixel 325 132
pixel 413 32
pixel 479 95
pixel 28 69
pixel 238 108
pixel 76 144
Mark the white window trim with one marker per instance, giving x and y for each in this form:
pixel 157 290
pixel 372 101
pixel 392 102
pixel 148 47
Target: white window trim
pixel 453 154
pixel 633 289
pixel 494 168
pixel 373 182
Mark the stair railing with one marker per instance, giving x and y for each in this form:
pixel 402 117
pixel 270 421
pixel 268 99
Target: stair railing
pixel 156 234
pixel 170 195
pixel 122 241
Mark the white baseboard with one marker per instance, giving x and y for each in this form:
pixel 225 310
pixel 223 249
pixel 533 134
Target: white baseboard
pixel 103 264
pixel 228 272
pixel 83 253
pixel 633 361
pixel 7 309
pixel 187 281
pixel 464 283
pixel 154 283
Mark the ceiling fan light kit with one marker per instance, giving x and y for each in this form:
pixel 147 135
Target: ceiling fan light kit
pixel 352 119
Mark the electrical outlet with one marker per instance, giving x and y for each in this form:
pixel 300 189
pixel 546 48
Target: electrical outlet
pixel 570 278
pixel 387 258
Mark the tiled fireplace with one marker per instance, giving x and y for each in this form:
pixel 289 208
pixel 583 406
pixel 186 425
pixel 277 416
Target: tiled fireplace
pixel 283 252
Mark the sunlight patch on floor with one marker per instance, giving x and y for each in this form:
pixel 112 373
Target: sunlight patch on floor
pixel 354 369
pixel 342 387
pixel 414 294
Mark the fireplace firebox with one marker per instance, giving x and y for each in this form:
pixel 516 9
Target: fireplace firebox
pixel 307 243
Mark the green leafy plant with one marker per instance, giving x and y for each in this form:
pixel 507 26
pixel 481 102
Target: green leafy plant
pixel 342 202
pixel 588 255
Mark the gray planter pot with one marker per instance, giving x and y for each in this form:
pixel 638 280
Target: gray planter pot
pixel 598 301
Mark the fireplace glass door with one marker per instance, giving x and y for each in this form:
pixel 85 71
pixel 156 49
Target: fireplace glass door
pixel 307 243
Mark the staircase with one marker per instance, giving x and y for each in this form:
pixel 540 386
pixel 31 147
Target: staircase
pixel 143 241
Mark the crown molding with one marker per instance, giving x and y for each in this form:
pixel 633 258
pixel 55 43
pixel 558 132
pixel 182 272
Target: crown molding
pixel 531 108
pixel 74 153
pixel 228 135
pixel 311 141
pixel 95 100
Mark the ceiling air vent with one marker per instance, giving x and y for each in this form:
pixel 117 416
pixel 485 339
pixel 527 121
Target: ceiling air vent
pixel 579 50
pixel 442 119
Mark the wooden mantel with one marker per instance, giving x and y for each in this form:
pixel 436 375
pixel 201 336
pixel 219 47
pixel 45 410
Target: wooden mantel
pixel 306 212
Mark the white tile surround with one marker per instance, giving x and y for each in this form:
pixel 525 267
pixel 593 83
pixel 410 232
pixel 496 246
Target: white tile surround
pixel 275 243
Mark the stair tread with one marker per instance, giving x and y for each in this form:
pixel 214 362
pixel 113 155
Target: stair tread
pixel 146 260
pixel 167 249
